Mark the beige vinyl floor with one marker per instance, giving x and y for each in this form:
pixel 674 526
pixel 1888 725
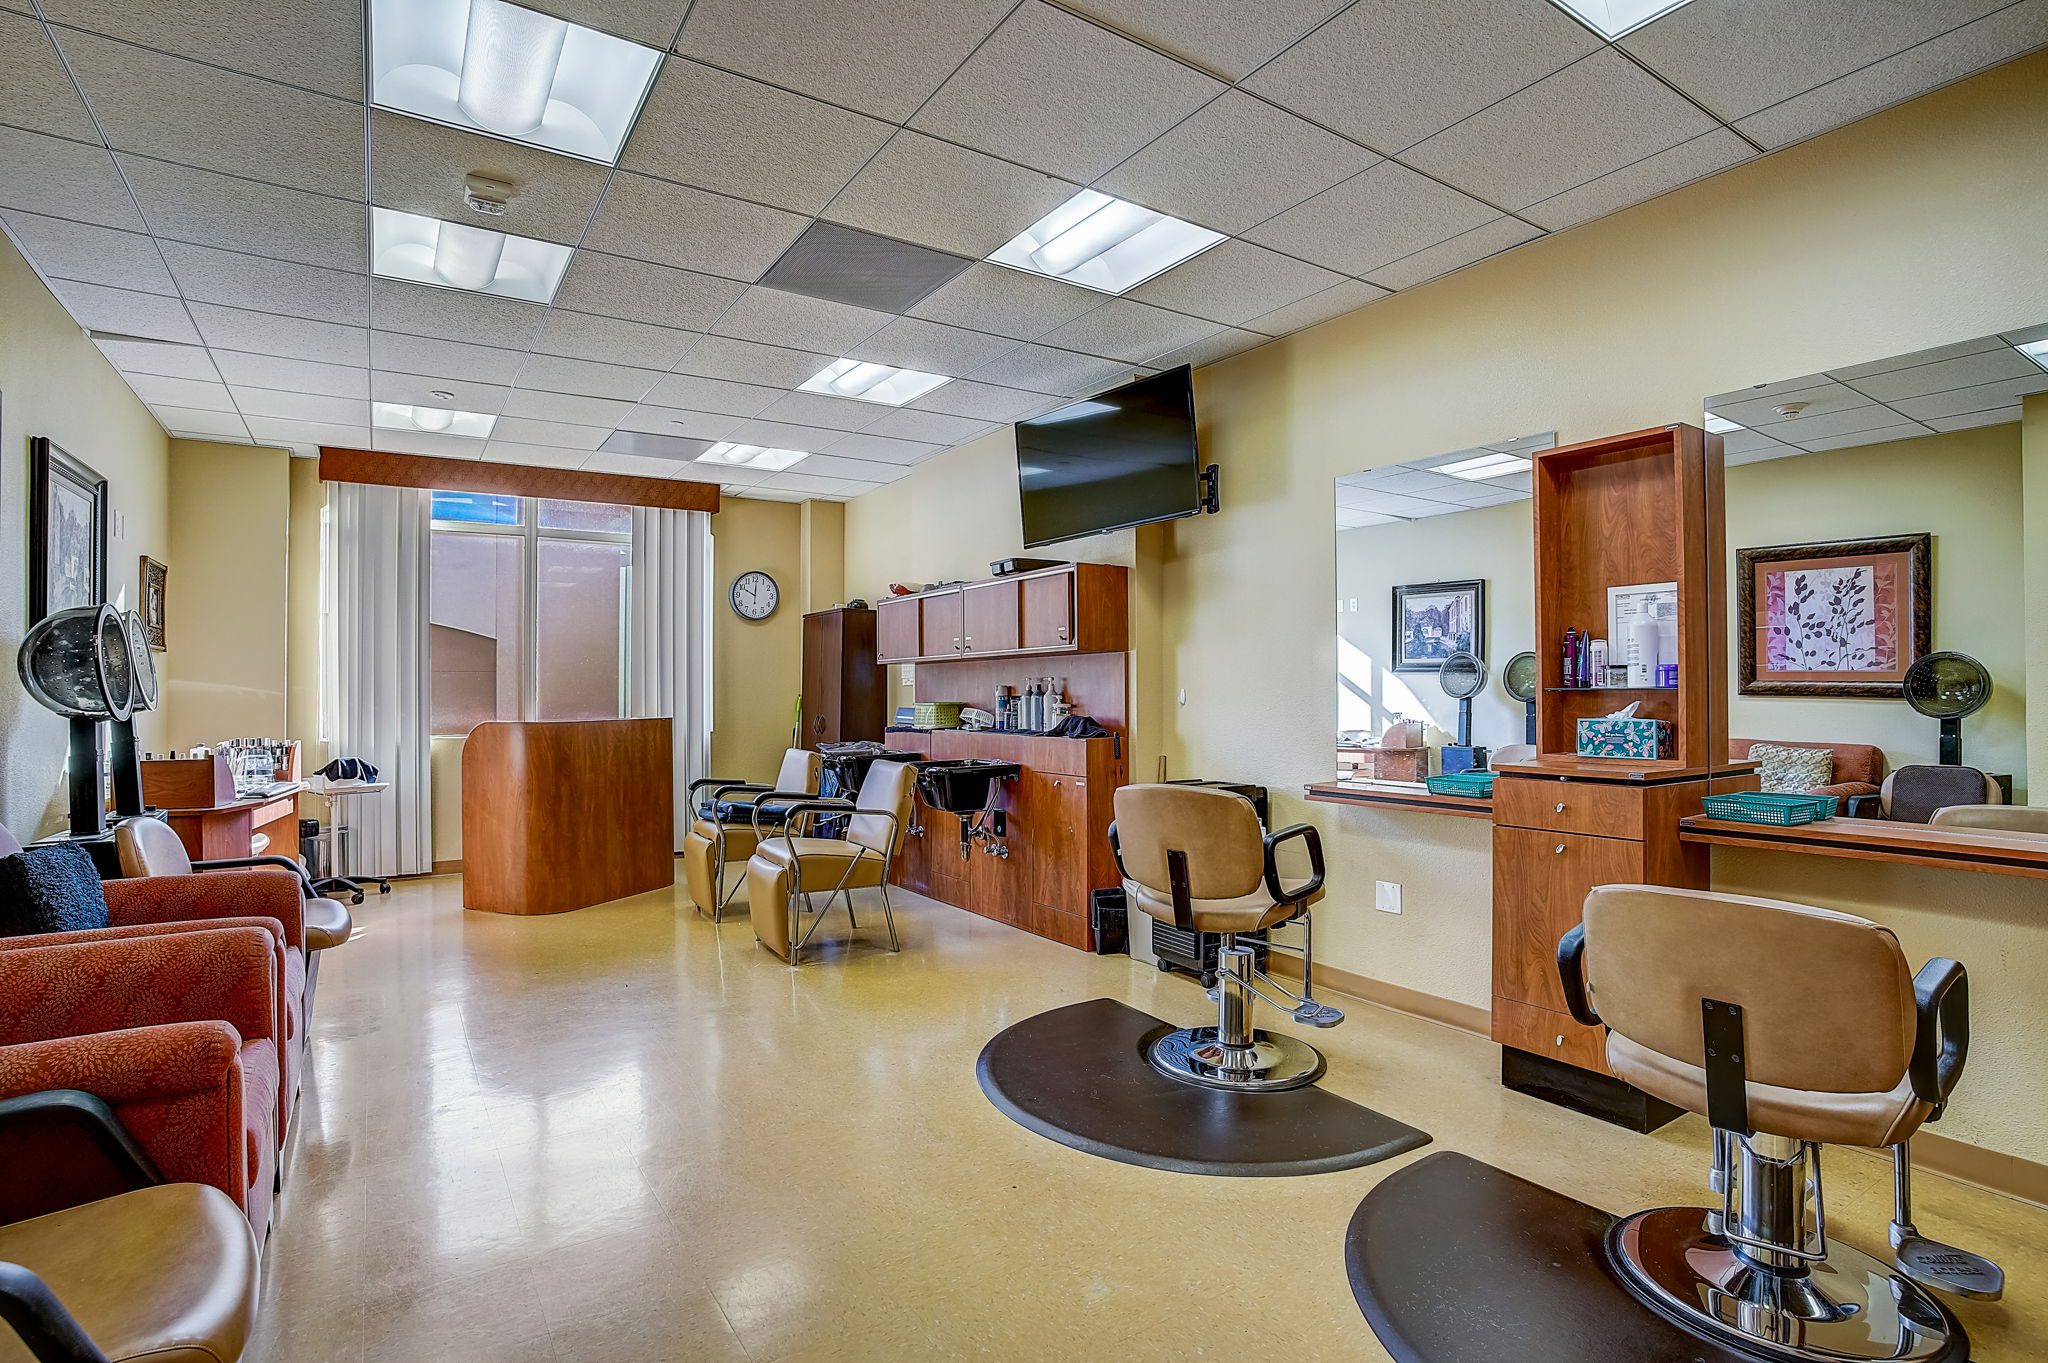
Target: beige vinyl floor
pixel 624 1135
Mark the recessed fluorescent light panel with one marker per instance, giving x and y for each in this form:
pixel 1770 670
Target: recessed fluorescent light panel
pixel 1104 244
pixel 1612 18
pixel 510 72
pixel 397 416
pixel 867 382
pixel 761 457
pixel 1488 465
pixel 1721 425
pixel 453 255
pixel 2037 351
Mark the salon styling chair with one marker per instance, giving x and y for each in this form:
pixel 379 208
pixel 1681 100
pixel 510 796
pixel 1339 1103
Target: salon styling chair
pixel 1198 859
pixel 1994 818
pixel 788 867
pixel 1787 1027
pixel 722 827
pixel 1913 794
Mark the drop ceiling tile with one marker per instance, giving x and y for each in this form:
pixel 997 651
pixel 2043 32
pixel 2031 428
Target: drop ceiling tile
pixel 649 22
pixel 454 314
pixel 41 174
pixel 1982 397
pixel 612 286
pixel 723 357
pixel 982 401
pixel 2026 335
pixel 1007 302
pixel 1052 91
pixel 316 46
pixel 193 423
pixel 1225 343
pixel 783 435
pixel 794 321
pixel 1739 56
pixel 297 376
pixel 534 456
pixel 679 448
pixel 1588 120
pixel 823 410
pixel 674 423
pixel 700 394
pixel 198 394
pixel 867 471
pixel 1995 416
pixel 631 465
pixel 1754 407
pixel 735 136
pixel 559 375
pixel 98 308
pixel 444 359
pixel 199 115
pixel 1390 74
pixel 199 206
pixel 1477 244
pixel 1877 435
pixel 265 333
pixel 35 91
pixel 811 485
pixel 1349 296
pixel 1131 332
pixel 1235 281
pixel 1811 426
pixel 90 254
pixel 272 430
pixel 420 167
pixel 611 340
pixel 761 493
pixel 267 402
pixel 691 229
pixel 524 431
pixel 933 347
pixel 931 427
pixel 1955 350
pixel 1372 219
pixel 882 59
pixel 1652 175
pixel 429 443
pixel 1044 369
pixel 171 361
pixel 265 285
pixel 936 194
pixel 1232 40
pixel 572 408
pixel 429 390
pixel 881 449
pixel 1966 371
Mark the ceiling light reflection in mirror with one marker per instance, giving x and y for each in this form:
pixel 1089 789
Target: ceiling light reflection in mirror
pixel 398 416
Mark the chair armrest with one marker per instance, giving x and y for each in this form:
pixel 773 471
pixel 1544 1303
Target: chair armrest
pixel 252 863
pixel 795 804
pixel 135 1064
pixel 225 974
pixel 262 893
pixel 1314 842
pixel 1116 852
pixel 113 934
pixel 1571 973
pixel 50 1333
pixel 92 1115
pixel 1844 790
pixel 1864 807
pixel 703 781
pixel 1941 1041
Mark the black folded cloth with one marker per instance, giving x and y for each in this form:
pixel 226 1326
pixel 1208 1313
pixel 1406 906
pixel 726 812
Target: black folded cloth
pixel 742 811
pixel 1077 726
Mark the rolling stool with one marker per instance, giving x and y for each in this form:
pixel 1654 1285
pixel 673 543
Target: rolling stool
pixel 1717 1003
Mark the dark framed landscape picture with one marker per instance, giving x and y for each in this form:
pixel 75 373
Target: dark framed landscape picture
pixel 1840 619
pixel 67 532
pixel 154 579
pixel 1433 620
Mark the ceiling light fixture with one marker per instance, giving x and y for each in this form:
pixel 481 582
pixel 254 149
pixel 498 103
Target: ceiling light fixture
pixel 510 72
pixel 868 382
pixel 2037 351
pixel 762 457
pixel 453 255
pixel 1612 18
pixel 399 416
pixel 1492 464
pixel 1103 243
pixel 1721 425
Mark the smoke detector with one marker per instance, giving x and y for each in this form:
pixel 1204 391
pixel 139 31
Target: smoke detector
pixel 485 195
pixel 1788 410
pixel 443 394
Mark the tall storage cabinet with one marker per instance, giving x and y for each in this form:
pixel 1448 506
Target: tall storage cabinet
pixel 845 690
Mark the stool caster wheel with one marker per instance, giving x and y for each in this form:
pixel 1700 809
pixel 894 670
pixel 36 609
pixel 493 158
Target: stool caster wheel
pixel 356 898
pixel 1165 968
pixel 1208 979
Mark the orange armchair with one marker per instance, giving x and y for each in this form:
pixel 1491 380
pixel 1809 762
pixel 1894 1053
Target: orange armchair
pixel 176 1032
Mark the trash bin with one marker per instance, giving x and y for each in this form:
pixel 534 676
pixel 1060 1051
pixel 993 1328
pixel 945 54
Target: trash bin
pixel 316 848
pixel 1108 914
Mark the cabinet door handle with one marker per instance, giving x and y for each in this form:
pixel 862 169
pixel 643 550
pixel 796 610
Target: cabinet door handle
pixel 1560 806
pixel 1560 1039
pixel 1063 631
pixel 1559 849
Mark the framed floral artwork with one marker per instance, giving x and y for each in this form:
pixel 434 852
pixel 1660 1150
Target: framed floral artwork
pixel 1843 619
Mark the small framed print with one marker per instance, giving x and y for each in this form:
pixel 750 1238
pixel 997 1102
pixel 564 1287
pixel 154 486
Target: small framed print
pixel 154 577
pixel 1840 619
pixel 1433 620
pixel 67 532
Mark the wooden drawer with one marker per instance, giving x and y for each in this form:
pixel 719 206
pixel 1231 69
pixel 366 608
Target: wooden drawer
pixel 1540 881
pixel 1539 1031
pixel 1569 806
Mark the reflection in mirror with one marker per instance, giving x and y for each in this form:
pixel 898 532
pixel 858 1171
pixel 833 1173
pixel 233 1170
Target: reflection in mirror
pixel 1433 602
pixel 1884 629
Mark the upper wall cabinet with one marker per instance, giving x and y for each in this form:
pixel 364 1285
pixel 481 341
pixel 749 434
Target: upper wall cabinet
pixel 1075 608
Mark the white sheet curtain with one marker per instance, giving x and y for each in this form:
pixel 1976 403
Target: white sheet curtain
pixel 668 638
pixel 378 686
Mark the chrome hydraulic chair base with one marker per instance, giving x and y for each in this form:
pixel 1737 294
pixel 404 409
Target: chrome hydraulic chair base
pixel 1270 1064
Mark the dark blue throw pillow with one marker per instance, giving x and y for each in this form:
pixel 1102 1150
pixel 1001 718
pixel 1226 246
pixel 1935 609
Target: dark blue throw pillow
pixel 50 889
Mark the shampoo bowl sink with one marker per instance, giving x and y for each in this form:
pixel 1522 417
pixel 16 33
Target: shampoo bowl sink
pixel 961 785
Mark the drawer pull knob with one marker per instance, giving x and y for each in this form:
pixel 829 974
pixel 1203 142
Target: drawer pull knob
pixel 1560 1039
pixel 1559 849
pixel 1560 806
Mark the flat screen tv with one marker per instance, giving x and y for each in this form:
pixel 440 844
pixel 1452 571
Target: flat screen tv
pixel 1118 459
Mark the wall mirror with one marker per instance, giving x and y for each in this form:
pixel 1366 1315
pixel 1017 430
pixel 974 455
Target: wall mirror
pixel 1879 523
pixel 1434 603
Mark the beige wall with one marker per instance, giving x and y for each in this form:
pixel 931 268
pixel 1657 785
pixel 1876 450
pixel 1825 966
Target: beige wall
pixel 54 383
pixel 1914 228
pixel 2034 576
pixel 757 666
pixel 821 528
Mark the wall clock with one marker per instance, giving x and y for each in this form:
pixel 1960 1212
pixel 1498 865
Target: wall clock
pixel 754 595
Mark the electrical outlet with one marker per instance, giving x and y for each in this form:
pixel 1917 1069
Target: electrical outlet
pixel 1354 605
pixel 1386 896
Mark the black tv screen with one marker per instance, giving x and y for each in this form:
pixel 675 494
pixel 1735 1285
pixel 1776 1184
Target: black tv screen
pixel 1118 459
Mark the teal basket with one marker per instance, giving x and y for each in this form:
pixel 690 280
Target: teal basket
pixel 1784 811
pixel 1476 785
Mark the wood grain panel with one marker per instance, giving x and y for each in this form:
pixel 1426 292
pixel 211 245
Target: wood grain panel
pixel 942 624
pixel 1540 884
pixel 990 615
pixel 1568 807
pixel 1096 683
pixel 1398 797
pixel 564 814
pixel 517 480
pixel 896 629
pixel 1964 849
pixel 1541 1031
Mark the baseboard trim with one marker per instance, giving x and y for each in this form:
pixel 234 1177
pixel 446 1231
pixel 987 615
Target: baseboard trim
pixel 2007 1175
pixel 448 868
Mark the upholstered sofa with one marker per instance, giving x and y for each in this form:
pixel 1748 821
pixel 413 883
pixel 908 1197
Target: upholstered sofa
pixel 1859 767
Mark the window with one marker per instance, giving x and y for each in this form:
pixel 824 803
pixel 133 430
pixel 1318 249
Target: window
pixel 528 609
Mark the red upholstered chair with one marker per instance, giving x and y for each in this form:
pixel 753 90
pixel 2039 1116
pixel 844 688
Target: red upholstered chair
pixel 176 1031
pixel 1859 767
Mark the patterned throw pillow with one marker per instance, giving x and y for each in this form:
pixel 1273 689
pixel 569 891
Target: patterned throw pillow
pixel 50 889
pixel 1792 771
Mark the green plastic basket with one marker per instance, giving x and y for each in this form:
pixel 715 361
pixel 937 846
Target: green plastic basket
pixel 1475 785
pixel 1783 811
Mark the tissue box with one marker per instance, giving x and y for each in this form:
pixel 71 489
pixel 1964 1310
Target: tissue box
pixel 1641 739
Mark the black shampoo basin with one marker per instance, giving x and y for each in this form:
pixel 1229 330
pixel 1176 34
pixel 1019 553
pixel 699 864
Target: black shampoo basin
pixel 961 785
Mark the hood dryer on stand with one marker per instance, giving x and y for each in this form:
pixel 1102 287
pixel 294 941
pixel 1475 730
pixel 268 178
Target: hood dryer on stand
pixel 1518 679
pixel 1462 677
pixel 1949 687
pixel 78 663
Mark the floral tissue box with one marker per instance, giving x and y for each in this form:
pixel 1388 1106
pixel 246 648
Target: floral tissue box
pixel 1641 739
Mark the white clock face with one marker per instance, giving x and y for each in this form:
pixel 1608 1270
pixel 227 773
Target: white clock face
pixel 754 595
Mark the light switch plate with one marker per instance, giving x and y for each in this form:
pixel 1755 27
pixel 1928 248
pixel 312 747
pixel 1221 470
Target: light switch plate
pixel 1386 896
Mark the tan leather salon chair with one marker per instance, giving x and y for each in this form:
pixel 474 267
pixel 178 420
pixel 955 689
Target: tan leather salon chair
pixel 1994 818
pixel 788 867
pixel 722 829
pixel 1787 1027
pixel 1197 858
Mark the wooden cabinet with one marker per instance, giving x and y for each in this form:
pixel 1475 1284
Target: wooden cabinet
pixel 1057 810
pixel 943 624
pixel 845 692
pixel 989 614
pixel 1548 876
pixel 1049 611
pixel 896 629
pixel 1074 608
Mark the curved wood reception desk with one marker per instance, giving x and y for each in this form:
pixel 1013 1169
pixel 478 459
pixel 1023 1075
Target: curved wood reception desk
pixel 564 814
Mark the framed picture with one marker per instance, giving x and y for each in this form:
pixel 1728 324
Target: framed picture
pixel 153 576
pixel 1433 620
pixel 67 532
pixel 1844 619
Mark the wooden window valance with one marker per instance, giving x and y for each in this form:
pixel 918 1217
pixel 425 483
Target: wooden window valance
pixel 517 480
